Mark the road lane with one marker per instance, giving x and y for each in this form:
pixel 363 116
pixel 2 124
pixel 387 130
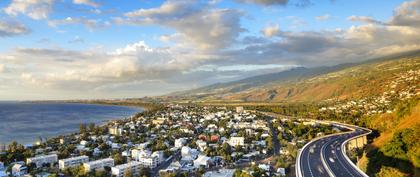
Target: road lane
pixel 327 158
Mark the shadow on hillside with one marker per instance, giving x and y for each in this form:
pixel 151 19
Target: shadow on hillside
pixel 377 160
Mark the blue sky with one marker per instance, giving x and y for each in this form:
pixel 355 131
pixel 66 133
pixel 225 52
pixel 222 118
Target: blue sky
pixel 62 49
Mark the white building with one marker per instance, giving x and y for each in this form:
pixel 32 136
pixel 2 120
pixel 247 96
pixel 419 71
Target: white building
pixel 98 164
pixel 148 159
pixel 115 130
pixel 133 167
pixel 202 145
pixel 220 173
pixel 202 161
pixel 19 170
pixel 239 109
pixel 180 142
pixel 236 141
pixel 44 159
pixel 72 162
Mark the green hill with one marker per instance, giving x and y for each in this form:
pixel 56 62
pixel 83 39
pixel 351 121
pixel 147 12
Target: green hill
pixel 345 81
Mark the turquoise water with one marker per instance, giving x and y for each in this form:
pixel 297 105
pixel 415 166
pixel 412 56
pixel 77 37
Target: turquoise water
pixel 26 122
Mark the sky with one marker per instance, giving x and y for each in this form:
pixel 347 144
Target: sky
pixel 100 49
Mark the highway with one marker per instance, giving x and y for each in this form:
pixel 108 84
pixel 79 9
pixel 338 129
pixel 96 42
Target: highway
pixel 325 156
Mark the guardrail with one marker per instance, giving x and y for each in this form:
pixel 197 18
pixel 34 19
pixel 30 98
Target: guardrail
pixel 343 149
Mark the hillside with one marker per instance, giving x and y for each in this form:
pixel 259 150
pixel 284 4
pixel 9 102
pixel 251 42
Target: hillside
pixel 339 82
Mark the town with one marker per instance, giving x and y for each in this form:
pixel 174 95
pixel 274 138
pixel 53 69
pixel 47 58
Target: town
pixel 173 140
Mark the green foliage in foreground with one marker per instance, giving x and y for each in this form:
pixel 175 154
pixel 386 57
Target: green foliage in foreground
pixel 405 145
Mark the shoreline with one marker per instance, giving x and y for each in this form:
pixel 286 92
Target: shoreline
pixel 100 123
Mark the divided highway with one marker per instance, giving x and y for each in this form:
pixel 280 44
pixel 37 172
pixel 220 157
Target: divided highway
pixel 326 156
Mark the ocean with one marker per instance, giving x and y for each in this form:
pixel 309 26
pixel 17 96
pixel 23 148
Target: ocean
pixel 26 122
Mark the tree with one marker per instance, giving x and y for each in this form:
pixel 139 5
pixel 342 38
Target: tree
pixel 118 159
pixel 82 128
pixel 128 173
pixel 390 172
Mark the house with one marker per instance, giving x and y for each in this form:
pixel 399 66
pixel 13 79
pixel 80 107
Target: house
pixel 72 162
pixel 133 167
pixel 83 142
pixel 188 154
pixel 239 109
pixel 281 171
pixel 98 164
pixel 43 174
pixel 180 142
pixel 43 159
pixel 202 145
pixel 236 141
pixel 202 161
pixel 172 168
pixel 264 167
pixel 115 130
pixel 19 170
pixel 148 159
pixel 220 173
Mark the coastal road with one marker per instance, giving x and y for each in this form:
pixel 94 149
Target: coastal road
pixel 325 156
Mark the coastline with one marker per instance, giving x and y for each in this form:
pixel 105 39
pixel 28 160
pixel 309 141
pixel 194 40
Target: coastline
pixel 98 120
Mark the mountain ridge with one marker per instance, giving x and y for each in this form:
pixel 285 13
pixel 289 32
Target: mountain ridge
pixel 267 87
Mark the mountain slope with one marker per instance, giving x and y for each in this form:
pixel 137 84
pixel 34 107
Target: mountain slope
pixel 310 84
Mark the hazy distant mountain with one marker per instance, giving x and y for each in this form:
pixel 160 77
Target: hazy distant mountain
pixel 308 84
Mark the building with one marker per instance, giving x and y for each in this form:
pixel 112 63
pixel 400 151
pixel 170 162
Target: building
pixel 202 145
pixel 180 142
pixel 158 121
pixel 98 164
pixel 239 109
pixel 115 130
pixel 19 170
pixel 72 162
pixel 202 161
pixel 148 159
pixel 43 159
pixel 220 173
pixel 236 141
pixel 132 167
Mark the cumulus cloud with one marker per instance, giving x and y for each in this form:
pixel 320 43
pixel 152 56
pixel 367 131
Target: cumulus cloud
pixel 201 26
pixel 323 17
pixel 271 30
pixel 208 45
pixel 11 28
pixel 35 9
pixel 265 2
pixel 407 14
pixel 87 2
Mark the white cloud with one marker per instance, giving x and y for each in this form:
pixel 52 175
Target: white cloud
pixel 36 9
pixel 86 2
pixel 89 23
pixel 407 14
pixel 265 2
pixel 271 30
pixel 10 28
pixel 365 19
pixel 2 68
pixel 212 28
pixel 323 17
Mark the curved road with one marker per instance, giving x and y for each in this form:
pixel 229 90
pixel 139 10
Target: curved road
pixel 325 156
